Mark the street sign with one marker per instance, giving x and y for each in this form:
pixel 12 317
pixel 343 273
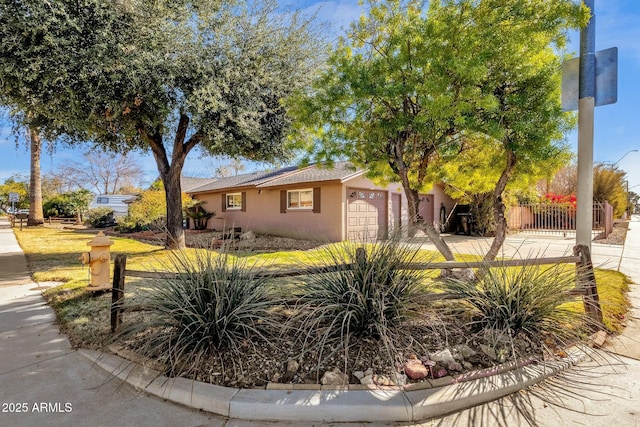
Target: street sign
pixel 14 197
pixel 606 79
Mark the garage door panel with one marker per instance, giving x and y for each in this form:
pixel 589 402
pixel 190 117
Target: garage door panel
pixel 366 215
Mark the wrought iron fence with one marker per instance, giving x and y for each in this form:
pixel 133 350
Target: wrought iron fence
pixel 558 218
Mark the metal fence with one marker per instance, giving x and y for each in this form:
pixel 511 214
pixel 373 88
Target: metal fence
pixel 558 218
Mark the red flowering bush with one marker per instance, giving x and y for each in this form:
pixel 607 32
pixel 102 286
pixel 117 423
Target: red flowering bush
pixel 560 199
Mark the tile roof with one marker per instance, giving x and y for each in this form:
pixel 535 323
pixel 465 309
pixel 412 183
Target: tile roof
pixel 285 176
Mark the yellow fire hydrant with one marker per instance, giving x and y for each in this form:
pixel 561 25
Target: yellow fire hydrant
pixel 99 263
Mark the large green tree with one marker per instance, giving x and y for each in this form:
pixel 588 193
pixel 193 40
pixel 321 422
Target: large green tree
pixel 409 86
pixel 166 76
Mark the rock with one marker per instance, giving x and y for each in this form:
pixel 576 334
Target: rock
pixel 467 365
pixel 358 374
pixel 368 372
pixel 398 379
pixel 599 338
pixel 275 378
pixel 292 366
pixel 415 369
pixel 489 351
pixel 438 372
pixel 463 274
pixel 249 235
pixel 382 380
pixel 455 366
pixel 367 380
pixel 445 357
pixel 334 377
pixel 465 351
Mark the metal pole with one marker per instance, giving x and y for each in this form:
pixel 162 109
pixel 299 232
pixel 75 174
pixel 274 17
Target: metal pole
pixel 586 104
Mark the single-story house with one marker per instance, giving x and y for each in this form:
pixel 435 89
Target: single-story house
pixel 314 202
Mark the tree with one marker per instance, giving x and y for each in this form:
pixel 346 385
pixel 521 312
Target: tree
pixel 233 168
pixel 167 76
pixel 609 186
pixel 79 203
pixel 407 89
pixel 18 185
pixel 105 172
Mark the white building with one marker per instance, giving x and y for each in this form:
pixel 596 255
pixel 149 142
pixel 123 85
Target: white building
pixel 117 202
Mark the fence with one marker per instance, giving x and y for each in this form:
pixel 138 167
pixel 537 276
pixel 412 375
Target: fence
pixel 585 278
pixel 551 218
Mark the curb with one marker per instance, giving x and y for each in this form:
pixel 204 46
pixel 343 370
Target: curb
pixel 337 405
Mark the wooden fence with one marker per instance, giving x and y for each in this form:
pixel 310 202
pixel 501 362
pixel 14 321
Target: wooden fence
pixel 585 277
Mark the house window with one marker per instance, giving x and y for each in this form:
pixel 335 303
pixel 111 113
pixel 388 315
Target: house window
pixel 300 199
pixel 102 200
pixel 234 201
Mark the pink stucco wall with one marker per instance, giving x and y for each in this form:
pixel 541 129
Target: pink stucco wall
pixel 263 215
pixel 437 198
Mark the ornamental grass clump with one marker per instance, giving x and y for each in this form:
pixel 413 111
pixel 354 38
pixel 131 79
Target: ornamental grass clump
pixel 363 293
pixel 532 304
pixel 215 303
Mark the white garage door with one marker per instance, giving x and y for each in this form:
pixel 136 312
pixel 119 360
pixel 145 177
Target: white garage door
pixel 366 215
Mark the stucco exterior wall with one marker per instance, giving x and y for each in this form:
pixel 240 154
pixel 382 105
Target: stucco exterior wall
pixel 437 198
pixel 263 215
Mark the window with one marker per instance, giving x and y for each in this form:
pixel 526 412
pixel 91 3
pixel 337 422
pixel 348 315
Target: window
pixel 102 200
pixel 300 199
pixel 233 201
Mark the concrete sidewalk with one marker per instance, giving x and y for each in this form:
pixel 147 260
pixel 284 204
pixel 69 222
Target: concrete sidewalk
pixel 44 382
pixel 53 384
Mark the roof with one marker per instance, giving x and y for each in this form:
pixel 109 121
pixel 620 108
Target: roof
pixel 284 176
pixel 188 183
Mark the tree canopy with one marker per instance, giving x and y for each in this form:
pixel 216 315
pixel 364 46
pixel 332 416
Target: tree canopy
pixel 412 87
pixel 163 75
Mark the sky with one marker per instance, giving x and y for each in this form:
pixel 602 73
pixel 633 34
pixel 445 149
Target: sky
pixel 616 129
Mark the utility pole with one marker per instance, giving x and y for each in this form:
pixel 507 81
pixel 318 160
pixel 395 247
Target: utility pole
pixel 586 106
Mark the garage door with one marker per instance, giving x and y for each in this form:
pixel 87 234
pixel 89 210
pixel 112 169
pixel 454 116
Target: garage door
pixel 366 215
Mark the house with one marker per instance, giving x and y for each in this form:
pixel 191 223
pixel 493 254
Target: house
pixel 328 204
pixel 118 202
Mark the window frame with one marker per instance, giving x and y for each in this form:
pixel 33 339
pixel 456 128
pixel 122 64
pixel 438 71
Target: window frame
pixel 300 208
pixel 233 208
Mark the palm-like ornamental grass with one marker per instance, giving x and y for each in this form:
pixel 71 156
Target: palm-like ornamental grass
pixel 365 300
pixel 531 301
pixel 213 303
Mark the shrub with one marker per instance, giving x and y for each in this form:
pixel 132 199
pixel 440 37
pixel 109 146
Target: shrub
pixel 214 303
pixel 530 302
pixel 367 300
pixel 100 217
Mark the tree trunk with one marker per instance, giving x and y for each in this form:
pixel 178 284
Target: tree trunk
pixel 36 216
pixel 499 208
pixel 170 176
pixel 173 192
pixel 413 202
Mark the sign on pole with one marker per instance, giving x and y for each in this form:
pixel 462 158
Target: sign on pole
pixel 14 197
pixel 606 80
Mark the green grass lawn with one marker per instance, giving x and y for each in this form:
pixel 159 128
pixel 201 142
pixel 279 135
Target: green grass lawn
pixel 53 255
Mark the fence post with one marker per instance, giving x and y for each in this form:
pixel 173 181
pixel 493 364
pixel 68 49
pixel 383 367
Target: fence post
pixel 117 292
pixel 361 256
pixel 585 277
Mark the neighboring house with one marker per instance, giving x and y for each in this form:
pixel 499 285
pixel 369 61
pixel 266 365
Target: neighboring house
pixel 118 202
pixel 312 202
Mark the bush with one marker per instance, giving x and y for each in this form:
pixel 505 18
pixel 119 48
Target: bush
pixel 100 217
pixel 530 302
pixel 212 304
pixel 367 300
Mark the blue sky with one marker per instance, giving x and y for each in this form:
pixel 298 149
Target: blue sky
pixel 617 126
